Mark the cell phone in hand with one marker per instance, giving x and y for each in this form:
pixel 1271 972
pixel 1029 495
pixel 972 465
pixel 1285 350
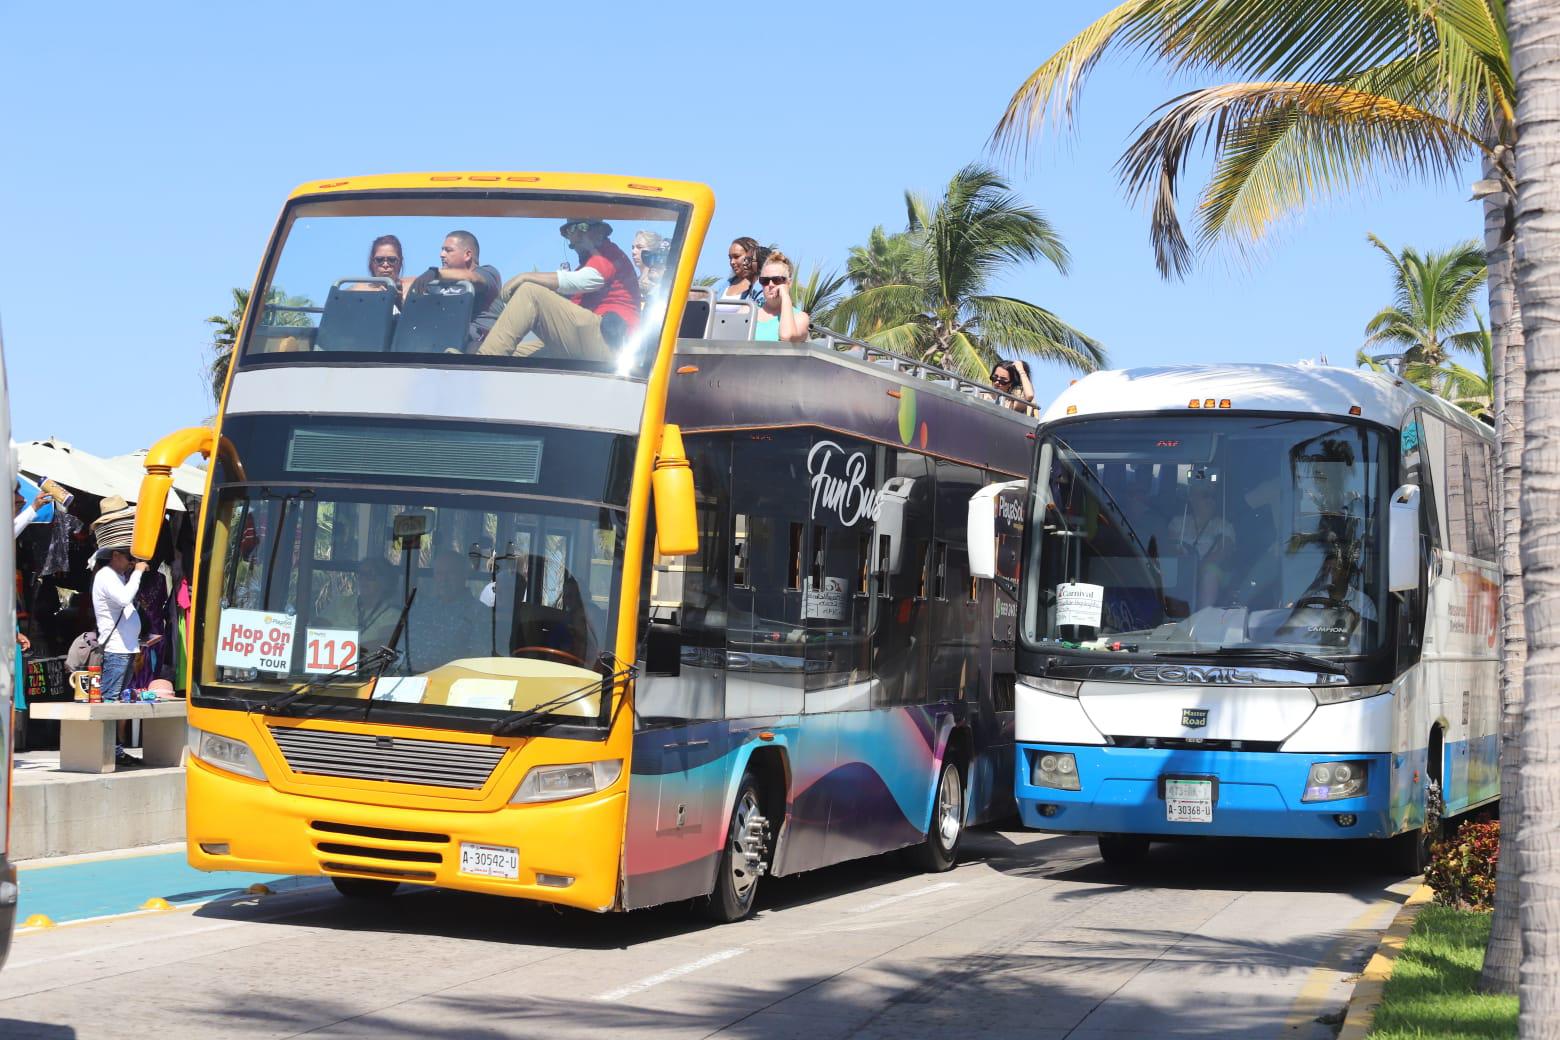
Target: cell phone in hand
pixel 151 641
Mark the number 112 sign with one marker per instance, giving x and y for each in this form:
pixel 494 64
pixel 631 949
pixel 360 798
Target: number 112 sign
pixel 330 650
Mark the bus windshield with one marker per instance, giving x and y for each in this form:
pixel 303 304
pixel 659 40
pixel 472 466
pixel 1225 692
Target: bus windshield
pixel 512 599
pixel 1196 534
pixel 489 278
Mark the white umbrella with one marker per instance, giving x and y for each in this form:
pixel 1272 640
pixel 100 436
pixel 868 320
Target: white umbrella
pixel 191 480
pixel 86 472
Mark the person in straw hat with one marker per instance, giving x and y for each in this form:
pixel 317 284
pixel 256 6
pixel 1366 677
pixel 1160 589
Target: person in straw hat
pixel 113 597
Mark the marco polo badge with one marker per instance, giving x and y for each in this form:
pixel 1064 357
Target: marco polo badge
pixel 1194 718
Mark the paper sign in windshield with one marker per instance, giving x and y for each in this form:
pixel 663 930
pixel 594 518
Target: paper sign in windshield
pixel 408 689
pixel 827 603
pixel 257 639
pixel 328 650
pixel 1079 603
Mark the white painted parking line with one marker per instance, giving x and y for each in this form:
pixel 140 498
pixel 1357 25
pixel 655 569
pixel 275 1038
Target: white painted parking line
pixel 891 900
pixel 669 974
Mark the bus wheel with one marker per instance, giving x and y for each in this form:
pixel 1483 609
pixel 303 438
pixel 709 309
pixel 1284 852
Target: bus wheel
pixel 365 888
pixel 1123 850
pixel 1409 853
pixel 742 861
pixel 941 848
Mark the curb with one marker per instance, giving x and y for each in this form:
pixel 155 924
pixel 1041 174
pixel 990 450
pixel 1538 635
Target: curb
pixel 1367 992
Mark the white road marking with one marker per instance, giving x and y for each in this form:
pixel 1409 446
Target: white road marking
pixel 891 900
pixel 670 973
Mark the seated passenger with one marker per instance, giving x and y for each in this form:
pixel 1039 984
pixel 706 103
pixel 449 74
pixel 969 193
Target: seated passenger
pixel 1202 531
pixel 649 253
pixel 601 309
pixel 778 320
pixel 745 256
pixel 379 602
pixel 384 261
pixel 459 260
pixel 447 621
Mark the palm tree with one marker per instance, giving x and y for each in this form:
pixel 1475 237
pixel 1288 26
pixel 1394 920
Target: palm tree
pixel 940 310
pixel 1433 294
pixel 884 260
pixel 1473 392
pixel 227 328
pixel 1535 57
pixel 819 294
pixel 1332 95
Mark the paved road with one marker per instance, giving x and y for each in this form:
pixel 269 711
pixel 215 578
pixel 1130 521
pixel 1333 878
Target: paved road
pixel 1030 936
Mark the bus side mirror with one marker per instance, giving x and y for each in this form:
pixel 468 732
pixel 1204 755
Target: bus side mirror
pixel 1403 562
pixel 986 506
pixel 676 514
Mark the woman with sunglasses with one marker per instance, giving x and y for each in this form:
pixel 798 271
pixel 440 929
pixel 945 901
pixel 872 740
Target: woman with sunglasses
pixel 1012 377
pixel 384 261
pixel 778 320
pixel 745 256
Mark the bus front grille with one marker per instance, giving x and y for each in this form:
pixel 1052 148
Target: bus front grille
pixel 399 760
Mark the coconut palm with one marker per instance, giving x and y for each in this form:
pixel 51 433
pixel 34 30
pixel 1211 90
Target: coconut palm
pixel 1332 95
pixel 1535 54
pixel 1433 294
pixel 884 260
pixel 226 329
pixel 819 294
pixel 1472 391
pixel 941 310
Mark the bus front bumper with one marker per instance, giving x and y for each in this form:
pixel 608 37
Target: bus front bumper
pixel 1258 794
pixel 568 851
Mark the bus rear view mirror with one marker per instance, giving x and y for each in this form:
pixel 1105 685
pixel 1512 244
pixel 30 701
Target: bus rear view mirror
pixel 1403 558
pixel 676 516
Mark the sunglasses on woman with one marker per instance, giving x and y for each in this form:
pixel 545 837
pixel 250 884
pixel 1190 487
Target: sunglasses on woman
pixel 773 279
pixel 387 261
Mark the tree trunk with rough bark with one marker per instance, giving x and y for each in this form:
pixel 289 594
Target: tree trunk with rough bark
pixel 1504 953
pixel 1534 27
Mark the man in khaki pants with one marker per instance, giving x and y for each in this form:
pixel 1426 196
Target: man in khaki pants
pixel 584 314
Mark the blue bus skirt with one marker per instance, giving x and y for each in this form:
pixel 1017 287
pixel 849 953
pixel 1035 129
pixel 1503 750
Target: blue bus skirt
pixel 1258 794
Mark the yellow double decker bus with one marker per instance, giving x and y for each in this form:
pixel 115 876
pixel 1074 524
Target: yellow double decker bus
pixel 476 610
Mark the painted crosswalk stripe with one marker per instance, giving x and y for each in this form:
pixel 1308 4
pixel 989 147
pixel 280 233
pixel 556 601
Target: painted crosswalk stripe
pixel 891 900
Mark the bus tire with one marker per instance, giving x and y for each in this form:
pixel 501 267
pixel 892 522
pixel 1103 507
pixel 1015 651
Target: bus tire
pixel 365 888
pixel 945 829
pixel 1123 850
pixel 743 860
pixel 1409 853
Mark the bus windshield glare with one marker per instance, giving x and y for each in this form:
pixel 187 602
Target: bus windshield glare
pixel 1204 533
pixel 490 278
pixel 513 599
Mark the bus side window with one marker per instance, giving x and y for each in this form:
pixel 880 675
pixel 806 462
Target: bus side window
pixel 739 551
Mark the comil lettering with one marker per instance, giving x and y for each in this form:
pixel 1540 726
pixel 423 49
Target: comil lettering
pixel 848 496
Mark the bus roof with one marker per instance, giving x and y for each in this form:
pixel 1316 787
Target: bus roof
pixel 745 385
pixel 1320 389
pixel 500 180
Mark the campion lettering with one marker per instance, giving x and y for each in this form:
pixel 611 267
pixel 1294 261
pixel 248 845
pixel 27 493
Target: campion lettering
pixel 848 497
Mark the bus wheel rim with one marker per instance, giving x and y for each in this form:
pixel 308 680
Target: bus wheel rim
pixel 748 831
pixel 950 808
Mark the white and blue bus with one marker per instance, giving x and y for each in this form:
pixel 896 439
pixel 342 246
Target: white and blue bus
pixel 1258 601
pixel 8 676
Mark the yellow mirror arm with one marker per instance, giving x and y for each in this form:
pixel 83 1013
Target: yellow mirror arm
pixel 161 460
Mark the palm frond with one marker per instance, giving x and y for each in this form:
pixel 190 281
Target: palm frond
pixel 1278 146
pixel 1020 327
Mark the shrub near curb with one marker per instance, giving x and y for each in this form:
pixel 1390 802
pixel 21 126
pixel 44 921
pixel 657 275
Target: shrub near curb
pixel 1462 868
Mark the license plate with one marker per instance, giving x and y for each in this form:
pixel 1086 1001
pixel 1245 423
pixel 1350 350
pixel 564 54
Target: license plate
pixel 498 861
pixel 1189 801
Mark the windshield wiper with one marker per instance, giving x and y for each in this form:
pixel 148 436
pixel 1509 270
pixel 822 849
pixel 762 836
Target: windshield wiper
pixel 1270 653
pixel 606 684
pixel 378 659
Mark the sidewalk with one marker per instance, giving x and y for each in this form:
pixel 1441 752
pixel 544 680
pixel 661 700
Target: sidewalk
pixel 75 888
pixel 57 813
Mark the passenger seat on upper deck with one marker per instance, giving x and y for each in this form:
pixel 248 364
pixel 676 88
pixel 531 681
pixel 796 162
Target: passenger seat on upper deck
pixel 356 319
pixel 435 319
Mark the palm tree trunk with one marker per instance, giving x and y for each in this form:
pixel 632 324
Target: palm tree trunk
pixel 1504 952
pixel 1534 27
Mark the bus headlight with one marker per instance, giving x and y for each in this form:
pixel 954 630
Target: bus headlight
pixel 1055 687
pixel 1057 769
pixel 1340 694
pixel 226 753
pixel 1330 781
pixel 550 783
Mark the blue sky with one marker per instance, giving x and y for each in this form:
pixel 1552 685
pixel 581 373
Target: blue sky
pixel 150 150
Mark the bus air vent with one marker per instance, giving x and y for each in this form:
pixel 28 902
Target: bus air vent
pixel 463 455
pixel 360 756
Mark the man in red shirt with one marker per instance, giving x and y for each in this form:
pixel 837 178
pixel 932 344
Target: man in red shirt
pixel 583 314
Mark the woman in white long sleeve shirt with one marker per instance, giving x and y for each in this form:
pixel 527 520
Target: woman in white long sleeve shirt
pixel 26 514
pixel 118 625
